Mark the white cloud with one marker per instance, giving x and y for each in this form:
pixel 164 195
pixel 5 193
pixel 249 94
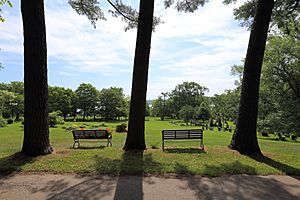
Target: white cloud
pixel 67 74
pixel 199 46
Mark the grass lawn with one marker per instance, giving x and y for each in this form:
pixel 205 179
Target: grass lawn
pixel 179 157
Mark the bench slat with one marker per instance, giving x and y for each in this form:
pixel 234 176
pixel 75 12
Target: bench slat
pixel 183 135
pixel 91 134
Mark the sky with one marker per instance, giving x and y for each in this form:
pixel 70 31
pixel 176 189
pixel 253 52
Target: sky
pixel 200 47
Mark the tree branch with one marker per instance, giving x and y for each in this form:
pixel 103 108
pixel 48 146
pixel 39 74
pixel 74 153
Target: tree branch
pixel 120 12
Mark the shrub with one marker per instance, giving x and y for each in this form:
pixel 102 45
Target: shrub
pixel 71 128
pixel 220 123
pixel 104 125
pixel 55 119
pixel 2 122
pixel 10 121
pixel 121 128
pixel 211 123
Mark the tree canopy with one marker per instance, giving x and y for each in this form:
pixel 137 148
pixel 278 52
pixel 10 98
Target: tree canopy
pixel 87 96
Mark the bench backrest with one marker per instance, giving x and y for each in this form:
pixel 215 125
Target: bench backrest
pixel 182 134
pixel 90 134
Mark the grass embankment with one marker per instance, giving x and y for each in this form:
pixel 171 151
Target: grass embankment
pixel 180 157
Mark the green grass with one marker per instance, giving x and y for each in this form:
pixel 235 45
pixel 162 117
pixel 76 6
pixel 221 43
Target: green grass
pixel 182 157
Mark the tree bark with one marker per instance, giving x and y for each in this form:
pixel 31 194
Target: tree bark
pixel 244 140
pixel 36 127
pixel 135 139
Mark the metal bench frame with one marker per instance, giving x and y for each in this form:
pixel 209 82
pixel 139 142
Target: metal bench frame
pixel 91 134
pixel 182 135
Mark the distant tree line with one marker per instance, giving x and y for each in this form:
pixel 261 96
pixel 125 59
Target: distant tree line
pixel 86 100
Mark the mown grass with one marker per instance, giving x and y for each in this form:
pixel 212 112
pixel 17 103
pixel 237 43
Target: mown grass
pixel 182 157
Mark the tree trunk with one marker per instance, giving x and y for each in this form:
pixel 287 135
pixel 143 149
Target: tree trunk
pixel 244 140
pixel 36 127
pixel 136 127
pixel 17 116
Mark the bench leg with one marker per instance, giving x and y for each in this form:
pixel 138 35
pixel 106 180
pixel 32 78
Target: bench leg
pixel 163 145
pixel 201 145
pixel 76 141
pixel 109 143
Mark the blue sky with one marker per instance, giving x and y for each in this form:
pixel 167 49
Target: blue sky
pixel 200 46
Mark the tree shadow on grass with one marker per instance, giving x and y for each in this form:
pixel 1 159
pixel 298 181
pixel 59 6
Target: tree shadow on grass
pixel 235 186
pixel 289 170
pixel 277 139
pixel 14 163
pixel 185 150
pixel 132 163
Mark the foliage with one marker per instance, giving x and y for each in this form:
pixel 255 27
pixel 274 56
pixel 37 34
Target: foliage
pixel 121 128
pixel 281 85
pixel 128 14
pixel 61 99
pixel 202 112
pixel 2 122
pixel 112 103
pixel 10 121
pixel 3 2
pixel 187 113
pixel 148 110
pixel 87 97
pixel 237 70
pixel 15 101
pixel 6 97
pixel 89 8
pixel 55 119
pixel 225 105
pixel 185 5
pixel 160 108
pixel 220 123
pixel 187 93
pixel 285 12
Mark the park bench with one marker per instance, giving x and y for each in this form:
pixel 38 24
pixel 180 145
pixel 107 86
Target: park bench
pixel 91 134
pixel 182 135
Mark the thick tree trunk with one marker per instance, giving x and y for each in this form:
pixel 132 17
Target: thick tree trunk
pixel 244 139
pixel 36 127
pixel 136 126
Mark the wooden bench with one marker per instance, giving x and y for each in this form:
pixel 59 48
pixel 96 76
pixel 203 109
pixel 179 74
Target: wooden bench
pixel 91 134
pixel 182 135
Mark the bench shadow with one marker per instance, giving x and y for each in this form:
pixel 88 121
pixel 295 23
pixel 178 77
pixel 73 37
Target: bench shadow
pixel 89 147
pixel 14 163
pixel 185 150
pixel 241 186
pixel 289 170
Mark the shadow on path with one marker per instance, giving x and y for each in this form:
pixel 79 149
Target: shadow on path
pixel 134 190
pixel 86 187
pixel 237 186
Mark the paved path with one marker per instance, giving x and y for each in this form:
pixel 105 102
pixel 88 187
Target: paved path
pixel 49 186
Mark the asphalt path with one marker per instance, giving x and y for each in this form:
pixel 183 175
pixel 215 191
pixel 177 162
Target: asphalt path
pixel 152 187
